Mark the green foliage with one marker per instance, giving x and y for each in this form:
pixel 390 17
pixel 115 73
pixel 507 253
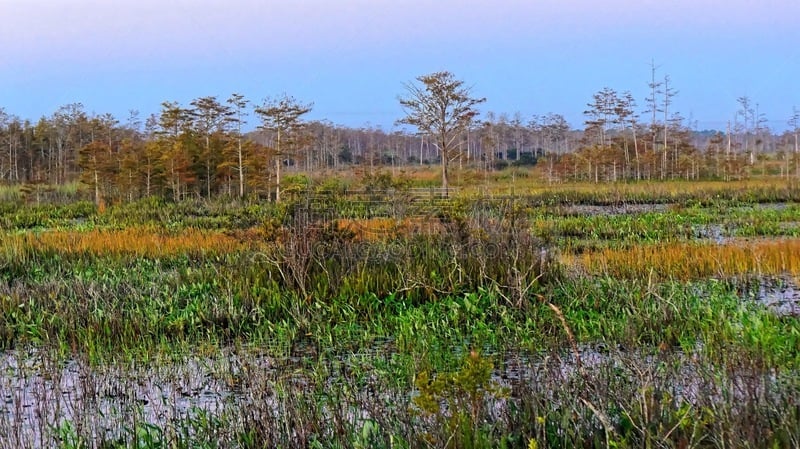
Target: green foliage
pixel 459 403
pixel 352 322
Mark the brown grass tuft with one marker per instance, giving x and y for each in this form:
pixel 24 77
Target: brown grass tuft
pixel 687 261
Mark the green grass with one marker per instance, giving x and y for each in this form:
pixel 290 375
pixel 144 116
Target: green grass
pixel 353 325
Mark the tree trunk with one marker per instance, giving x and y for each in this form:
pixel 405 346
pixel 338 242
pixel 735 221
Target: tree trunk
pixel 96 188
pixel 278 179
pixel 636 152
pixel 278 169
pixel 241 168
pixel 421 145
pixel 796 155
pixel 445 187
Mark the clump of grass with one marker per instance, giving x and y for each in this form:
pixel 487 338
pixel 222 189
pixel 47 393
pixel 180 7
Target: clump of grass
pixel 134 242
pixel 9 194
pixel 691 261
pixel 747 191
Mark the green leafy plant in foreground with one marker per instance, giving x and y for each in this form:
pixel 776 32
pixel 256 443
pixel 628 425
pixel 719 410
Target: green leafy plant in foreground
pixel 466 395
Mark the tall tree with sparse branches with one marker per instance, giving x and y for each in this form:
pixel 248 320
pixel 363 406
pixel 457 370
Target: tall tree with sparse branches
pixel 283 116
pixel 442 108
pixel 748 113
pixel 600 113
pixel 669 93
pixel 210 119
pixel 653 107
pixel 238 104
pixel 627 117
pixel 794 122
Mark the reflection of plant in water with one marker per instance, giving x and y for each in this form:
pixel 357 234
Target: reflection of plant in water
pixel 466 395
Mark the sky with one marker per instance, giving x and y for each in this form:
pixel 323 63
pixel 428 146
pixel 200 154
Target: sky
pixel 351 58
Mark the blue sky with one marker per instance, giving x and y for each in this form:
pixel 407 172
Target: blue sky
pixel 351 57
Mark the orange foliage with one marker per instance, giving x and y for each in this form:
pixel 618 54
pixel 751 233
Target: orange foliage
pixel 686 261
pixel 376 229
pixel 132 241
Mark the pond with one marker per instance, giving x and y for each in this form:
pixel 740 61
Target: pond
pixel 45 397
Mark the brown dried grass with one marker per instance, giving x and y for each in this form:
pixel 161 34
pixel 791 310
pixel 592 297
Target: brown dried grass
pixel 140 242
pixel 687 261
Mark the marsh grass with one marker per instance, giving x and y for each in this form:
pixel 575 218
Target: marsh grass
pixel 623 398
pixel 9 194
pixel 691 261
pixel 760 190
pixel 131 242
pixel 314 323
pixel 101 289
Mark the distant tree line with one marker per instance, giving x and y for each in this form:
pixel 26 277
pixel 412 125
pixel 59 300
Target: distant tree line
pixel 203 149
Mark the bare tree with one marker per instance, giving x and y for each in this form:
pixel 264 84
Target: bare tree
pixel 748 116
pixel 5 138
pixel 600 113
pixel 759 125
pixel 627 117
pixel 794 122
pixel 669 94
pixel 652 101
pixel 555 128
pixel 442 108
pixel 238 104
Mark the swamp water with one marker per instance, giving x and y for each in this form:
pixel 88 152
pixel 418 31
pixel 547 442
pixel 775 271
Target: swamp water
pixel 42 396
pixel 779 295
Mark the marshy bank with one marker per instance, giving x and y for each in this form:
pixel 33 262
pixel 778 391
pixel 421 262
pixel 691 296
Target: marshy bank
pixel 240 398
pixel 468 322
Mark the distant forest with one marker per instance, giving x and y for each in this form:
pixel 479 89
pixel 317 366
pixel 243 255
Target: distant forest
pixel 202 150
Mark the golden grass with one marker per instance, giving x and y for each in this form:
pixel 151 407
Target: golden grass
pixel 535 185
pixel 139 242
pixel 687 261
pixel 370 229
pixel 527 180
pixel 381 229
pixel 417 175
pixel 532 180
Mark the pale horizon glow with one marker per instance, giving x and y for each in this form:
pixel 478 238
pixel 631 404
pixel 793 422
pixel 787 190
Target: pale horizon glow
pixel 351 57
